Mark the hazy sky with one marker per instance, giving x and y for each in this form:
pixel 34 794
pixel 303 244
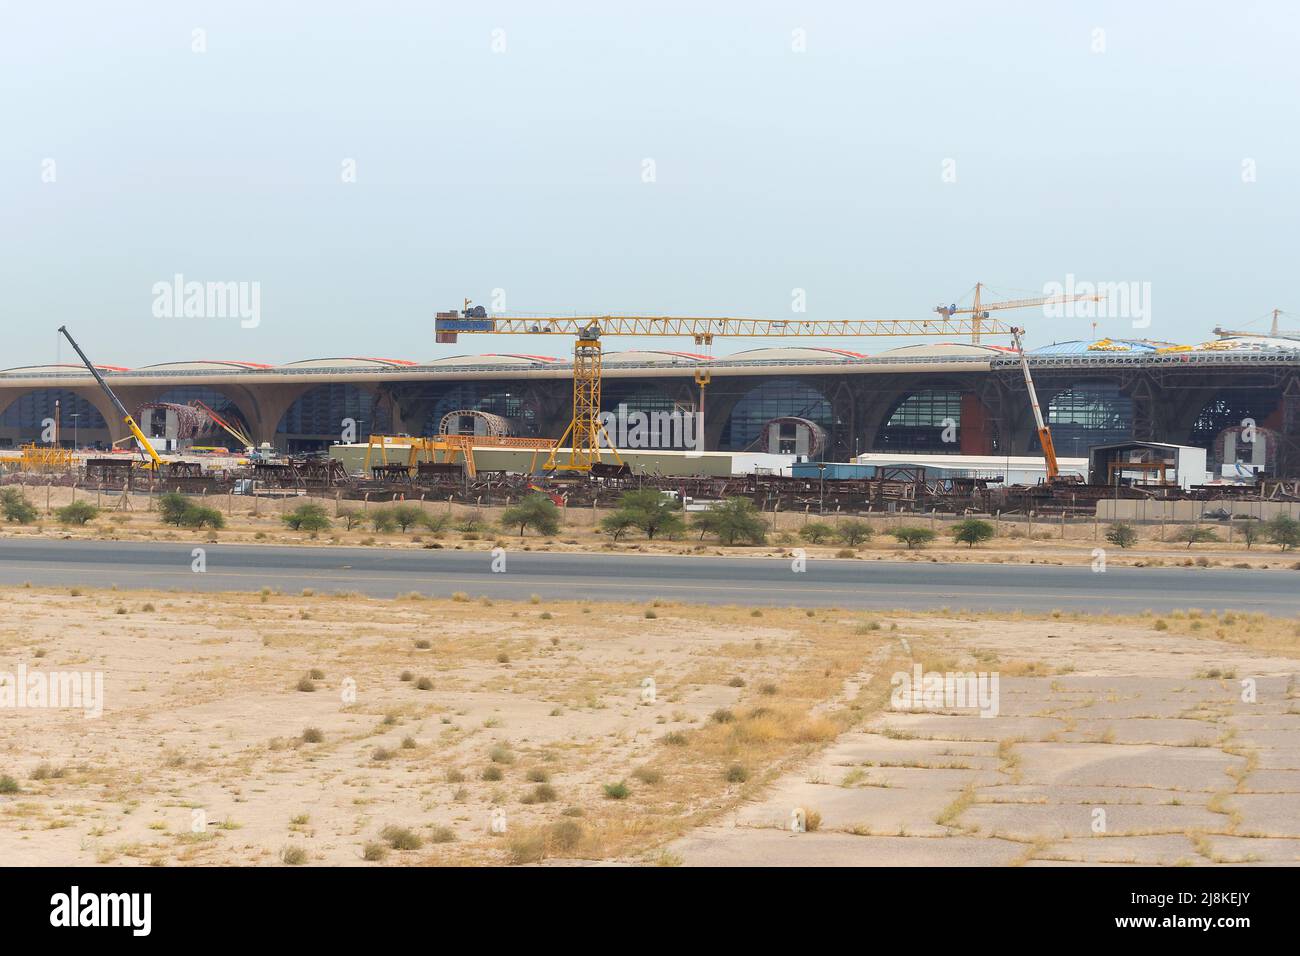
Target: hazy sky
pixel 523 169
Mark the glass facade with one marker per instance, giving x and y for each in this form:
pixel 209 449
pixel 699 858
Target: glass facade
pixel 316 420
pixel 1091 413
pixel 23 421
pixel 495 399
pixel 780 398
pixel 917 423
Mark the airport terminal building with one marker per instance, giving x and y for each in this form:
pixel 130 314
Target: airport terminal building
pixel 823 402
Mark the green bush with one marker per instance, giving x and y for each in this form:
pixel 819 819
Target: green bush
pixel 854 532
pixel 734 521
pixel 972 531
pixel 651 511
pixel 913 536
pixel 1195 535
pixel 382 520
pixel 79 513
pixel 537 512
pixel 816 532
pixel 16 507
pixel 175 509
pixel 1122 535
pixel 617 524
pixel 308 517
pixel 407 516
pixel 1284 530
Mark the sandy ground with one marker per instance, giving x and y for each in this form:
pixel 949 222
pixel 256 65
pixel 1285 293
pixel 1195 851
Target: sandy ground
pixel 434 719
pixel 1019 540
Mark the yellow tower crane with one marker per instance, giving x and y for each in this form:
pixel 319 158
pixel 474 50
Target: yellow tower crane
pixel 979 311
pixel 583 436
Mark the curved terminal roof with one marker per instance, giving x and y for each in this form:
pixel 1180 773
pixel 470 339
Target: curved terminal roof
pixel 202 365
pixel 652 356
pixel 792 353
pixel 60 369
pixel 944 349
pixel 349 362
pixel 1103 346
pixel 490 359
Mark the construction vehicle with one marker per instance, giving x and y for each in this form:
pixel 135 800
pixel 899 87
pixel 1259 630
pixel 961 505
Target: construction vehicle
pixel 1054 476
pixel 979 311
pixel 154 463
pixel 583 437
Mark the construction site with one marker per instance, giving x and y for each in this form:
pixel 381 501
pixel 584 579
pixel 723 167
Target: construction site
pixel 955 426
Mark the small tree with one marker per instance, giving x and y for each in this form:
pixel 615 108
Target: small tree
pixel 816 532
pixel 171 508
pixel 1194 535
pixel 308 517
pixel 406 516
pixel 16 507
pixel 78 513
pixel 435 524
pixel 382 520
pixel 1122 535
pixel 913 536
pixel 1250 532
pixel 972 531
pixel 351 518
pixel 197 516
pixel 1284 530
pixel 853 532
pixel 735 520
pixel 537 512
pixel 654 513
pixel 617 524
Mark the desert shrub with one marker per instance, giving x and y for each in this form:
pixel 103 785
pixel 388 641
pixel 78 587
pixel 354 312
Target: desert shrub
pixel 401 838
pixel 1122 535
pixel 816 532
pixel 307 517
pixel 15 506
pixel 1284 531
pixel 78 513
pixel 650 511
pixel 972 531
pixel 1195 535
pixel 537 512
pixel 734 521
pixel 913 536
pixel 854 532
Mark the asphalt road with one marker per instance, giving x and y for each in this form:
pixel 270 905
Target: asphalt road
pixel 764 581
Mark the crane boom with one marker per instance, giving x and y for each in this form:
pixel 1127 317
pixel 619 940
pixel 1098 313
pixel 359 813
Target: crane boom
pixel 1044 433
pixel 449 324
pixel 585 432
pixel 979 312
pixel 155 461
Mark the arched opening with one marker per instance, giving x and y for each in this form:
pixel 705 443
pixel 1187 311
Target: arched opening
pixel 779 398
pixel 928 420
pixel 203 430
pixel 1232 409
pixel 1087 414
pixel 505 401
pixel 81 424
pixel 322 416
